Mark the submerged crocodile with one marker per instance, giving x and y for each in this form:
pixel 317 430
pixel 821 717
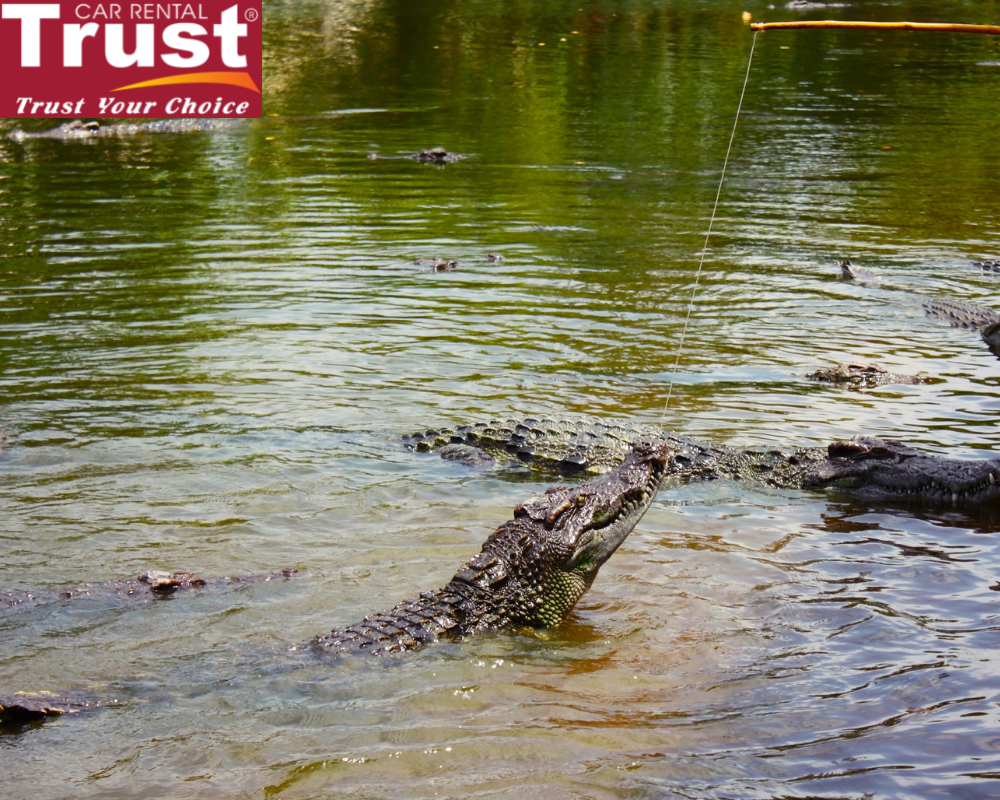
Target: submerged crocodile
pixel 958 313
pixel 864 375
pixel 78 129
pixel 152 585
pixel 433 155
pixel 23 708
pixel 437 264
pixel 865 466
pixel 448 265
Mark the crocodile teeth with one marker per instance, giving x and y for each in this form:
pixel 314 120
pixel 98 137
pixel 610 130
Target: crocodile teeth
pixel 992 479
pixel 954 497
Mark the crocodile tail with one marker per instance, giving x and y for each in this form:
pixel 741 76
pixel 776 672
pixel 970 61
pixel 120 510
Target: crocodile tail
pixel 407 626
pixel 961 313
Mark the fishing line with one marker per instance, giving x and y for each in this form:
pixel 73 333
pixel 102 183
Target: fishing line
pixel 708 234
pixel 757 27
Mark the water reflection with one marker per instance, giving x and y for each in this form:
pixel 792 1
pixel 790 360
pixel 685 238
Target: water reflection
pixel 209 344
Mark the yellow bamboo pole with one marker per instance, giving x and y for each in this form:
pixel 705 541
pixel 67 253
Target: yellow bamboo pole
pixel 993 30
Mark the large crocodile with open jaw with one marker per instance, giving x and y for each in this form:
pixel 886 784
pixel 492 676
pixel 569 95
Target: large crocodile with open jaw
pixel 864 466
pixel 531 570
pixel 534 568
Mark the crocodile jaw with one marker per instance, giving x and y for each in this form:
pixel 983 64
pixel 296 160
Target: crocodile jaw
pixel 565 535
pixel 620 500
pixel 873 468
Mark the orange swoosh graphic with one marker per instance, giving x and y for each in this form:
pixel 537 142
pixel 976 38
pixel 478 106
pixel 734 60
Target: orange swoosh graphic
pixel 232 78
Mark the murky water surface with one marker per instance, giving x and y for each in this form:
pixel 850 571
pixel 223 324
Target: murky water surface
pixel 211 343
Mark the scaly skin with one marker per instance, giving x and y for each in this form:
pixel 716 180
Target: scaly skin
pixel 961 313
pixel 859 375
pixel 563 445
pixel 531 570
pixel 865 466
pixel 878 469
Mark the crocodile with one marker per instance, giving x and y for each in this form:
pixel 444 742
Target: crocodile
pixel 863 375
pixel 433 155
pixel 23 708
pixel 531 571
pixel 958 313
pixel 865 466
pixel 448 265
pixel 963 314
pixel 151 585
pixel 436 264
pixel 78 129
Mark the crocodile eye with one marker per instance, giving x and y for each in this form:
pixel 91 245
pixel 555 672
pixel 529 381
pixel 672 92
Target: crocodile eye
pixel 581 500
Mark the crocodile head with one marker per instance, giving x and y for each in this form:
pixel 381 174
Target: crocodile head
pixel 534 568
pixel 876 468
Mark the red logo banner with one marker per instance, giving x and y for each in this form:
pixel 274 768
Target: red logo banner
pixel 121 59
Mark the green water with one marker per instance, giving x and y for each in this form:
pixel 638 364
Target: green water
pixel 210 343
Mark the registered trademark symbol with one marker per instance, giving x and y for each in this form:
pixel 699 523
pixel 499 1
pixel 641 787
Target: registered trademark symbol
pixel 251 14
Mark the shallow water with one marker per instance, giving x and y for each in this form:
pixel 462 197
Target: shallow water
pixel 210 343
